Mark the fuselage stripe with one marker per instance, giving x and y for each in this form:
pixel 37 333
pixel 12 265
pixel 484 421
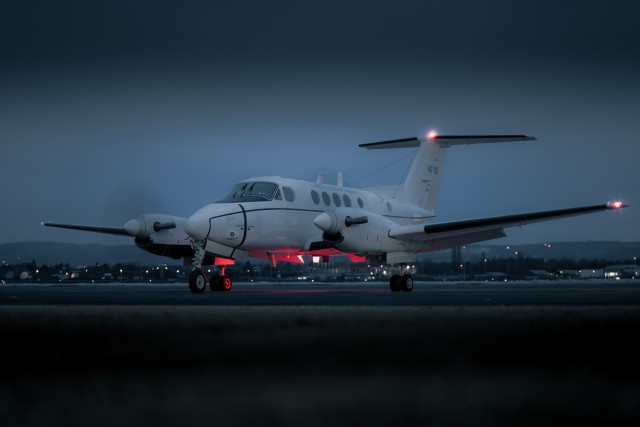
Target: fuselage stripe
pixel 321 211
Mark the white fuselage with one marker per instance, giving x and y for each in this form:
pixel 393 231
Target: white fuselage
pixel 280 217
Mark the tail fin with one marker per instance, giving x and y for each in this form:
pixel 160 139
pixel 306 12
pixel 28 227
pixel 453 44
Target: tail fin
pixel 420 188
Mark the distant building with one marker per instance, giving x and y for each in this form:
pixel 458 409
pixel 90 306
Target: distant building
pixel 568 274
pixel 622 271
pixel 456 258
pixel 492 276
pixel 540 274
pixel 588 273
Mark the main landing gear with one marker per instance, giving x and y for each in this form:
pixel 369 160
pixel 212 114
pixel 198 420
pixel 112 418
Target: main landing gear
pixel 401 282
pixel 218 282
pixel 197 278
pixel 221 282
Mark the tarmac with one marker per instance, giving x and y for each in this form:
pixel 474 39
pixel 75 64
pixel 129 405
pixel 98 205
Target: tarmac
pixel 446 354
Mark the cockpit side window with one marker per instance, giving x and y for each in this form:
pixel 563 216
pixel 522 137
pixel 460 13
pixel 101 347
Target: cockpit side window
pixel 238 190
pixel 252 192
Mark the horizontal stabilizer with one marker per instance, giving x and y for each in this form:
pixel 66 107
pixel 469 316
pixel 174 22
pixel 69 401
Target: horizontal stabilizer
pixel 446 140
pixel 422 182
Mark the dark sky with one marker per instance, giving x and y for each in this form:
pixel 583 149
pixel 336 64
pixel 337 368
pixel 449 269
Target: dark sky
pixel 111 109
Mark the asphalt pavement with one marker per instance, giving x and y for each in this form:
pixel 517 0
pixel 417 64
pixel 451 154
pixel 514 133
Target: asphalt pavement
pixel 448 354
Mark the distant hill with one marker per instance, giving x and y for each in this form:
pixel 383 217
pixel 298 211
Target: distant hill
pixel 88 254
pixel 607 250
pixel 77 254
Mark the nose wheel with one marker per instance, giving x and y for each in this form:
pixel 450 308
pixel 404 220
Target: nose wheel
pixel 197 281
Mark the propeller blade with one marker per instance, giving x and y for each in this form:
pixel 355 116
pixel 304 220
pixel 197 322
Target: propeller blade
pixel 348 221
pixel 164 226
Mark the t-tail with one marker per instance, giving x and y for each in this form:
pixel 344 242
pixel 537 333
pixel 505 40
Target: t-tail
pixel 420 188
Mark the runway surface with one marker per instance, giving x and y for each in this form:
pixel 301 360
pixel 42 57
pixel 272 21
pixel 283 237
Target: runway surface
pixel 597 292
pixel 447 354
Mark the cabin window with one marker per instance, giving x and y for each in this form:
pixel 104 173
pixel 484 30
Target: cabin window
pixel 336 199
pixel 315 197
pixel 360 203
pixel 389 206
pixel 326 199
pixel 346 200
pixel 289 194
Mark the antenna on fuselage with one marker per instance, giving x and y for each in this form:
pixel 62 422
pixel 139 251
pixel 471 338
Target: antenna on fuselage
pixel 340 180
pixel 320 178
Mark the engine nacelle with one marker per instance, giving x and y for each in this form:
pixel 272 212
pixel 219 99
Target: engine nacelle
pixel 143 226
pixel 357 231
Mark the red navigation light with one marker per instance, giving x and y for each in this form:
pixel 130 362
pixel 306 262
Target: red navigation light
pixel 432 135
pixel 616 205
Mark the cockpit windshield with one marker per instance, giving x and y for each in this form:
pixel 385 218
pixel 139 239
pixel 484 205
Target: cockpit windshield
pixel 251 192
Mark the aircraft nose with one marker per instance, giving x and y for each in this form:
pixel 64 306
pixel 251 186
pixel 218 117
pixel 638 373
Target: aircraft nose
pixel 197 227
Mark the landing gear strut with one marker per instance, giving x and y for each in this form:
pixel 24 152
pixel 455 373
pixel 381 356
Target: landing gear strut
pixel 401 282
pixel 197 279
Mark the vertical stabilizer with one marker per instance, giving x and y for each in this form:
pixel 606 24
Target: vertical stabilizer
pixel 421 186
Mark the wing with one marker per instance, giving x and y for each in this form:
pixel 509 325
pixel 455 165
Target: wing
pixel 120 231
pixel 141 226
pixel 476 230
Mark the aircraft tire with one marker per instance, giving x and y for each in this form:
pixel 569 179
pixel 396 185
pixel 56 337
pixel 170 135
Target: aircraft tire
pixel 225 283
pixel 197 282
pixel 394 283
pixel 214 283
pixel 406 283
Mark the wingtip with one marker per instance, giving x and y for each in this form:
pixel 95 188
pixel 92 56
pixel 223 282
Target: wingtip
pixel 616 205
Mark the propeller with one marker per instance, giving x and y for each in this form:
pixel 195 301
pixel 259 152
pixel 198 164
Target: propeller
pixel 329 222
pixel 332 225
pixel 125 205
pixel 141 226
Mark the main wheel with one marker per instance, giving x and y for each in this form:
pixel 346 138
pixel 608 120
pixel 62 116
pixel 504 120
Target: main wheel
pixel 394 283
pixel 214 283
pixel 406 283
pixel 197 281
pixel 225 283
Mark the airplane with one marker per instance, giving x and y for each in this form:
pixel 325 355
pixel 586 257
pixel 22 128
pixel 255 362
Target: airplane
pixel 281 219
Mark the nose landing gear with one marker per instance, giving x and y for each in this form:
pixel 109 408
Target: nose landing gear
pixel 197 281
pixel 218 282
pixel 197 278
